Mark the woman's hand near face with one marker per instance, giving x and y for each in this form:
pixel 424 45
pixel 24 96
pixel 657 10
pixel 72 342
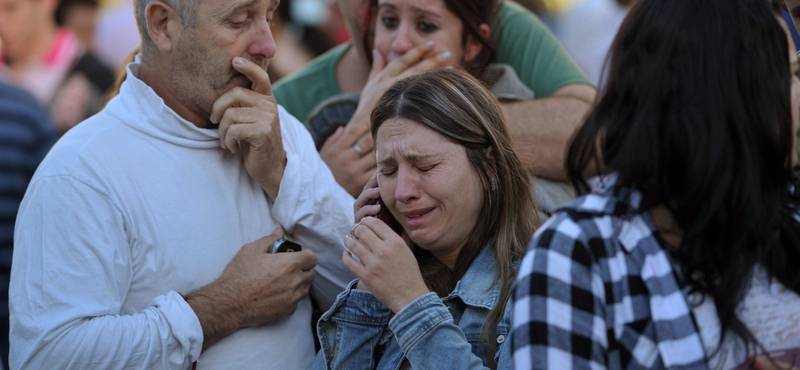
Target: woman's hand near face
pixel 350 166
pixel 383 75
pixel 388 268
pixel 365 204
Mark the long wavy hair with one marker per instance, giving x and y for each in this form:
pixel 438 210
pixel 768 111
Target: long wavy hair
pixel 696 116
pixel 472 14
pixel 461 109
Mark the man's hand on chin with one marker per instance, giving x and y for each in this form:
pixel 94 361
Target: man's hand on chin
pixel 249 122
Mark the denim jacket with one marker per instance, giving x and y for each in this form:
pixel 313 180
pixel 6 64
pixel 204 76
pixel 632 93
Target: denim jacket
pixel 432 333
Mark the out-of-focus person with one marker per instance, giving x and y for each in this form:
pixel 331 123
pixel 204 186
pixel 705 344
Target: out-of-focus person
pixel 50 62
pixel 116 33
pixel 587 29
pixel 26 135
pixel 304 30
pixel 79 16
pixel 688 257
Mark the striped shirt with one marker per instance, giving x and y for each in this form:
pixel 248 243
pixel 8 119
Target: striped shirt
pixel 26 135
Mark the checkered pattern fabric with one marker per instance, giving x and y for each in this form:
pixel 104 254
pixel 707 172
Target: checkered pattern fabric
pixel 596 290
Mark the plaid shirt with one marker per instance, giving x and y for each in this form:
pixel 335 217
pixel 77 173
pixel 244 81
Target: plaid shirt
pixel 596 290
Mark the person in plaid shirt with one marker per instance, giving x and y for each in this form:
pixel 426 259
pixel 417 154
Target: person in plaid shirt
pixel 686 257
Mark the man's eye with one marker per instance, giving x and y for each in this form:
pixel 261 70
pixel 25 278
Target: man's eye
pixel 238 23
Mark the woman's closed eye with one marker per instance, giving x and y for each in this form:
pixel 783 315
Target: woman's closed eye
pixel 387 171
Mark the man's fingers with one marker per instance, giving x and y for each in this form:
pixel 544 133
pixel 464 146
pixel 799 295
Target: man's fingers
pixel 236 124
pixel 277 233
pixel 236 97
pixel 305 259
pixel 240 126
pixel 263 244
pixel 307 277
pixel 241 134
pixel 255 73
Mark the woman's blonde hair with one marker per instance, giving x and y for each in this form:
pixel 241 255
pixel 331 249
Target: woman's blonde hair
pixel 457 106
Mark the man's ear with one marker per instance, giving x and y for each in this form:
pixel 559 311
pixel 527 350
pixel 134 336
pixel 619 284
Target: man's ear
pixel 474 46
pixel 161 25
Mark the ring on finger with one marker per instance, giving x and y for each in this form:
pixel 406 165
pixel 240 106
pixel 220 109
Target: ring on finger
pixel 358 149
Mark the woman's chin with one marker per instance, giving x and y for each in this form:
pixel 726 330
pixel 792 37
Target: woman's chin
pixel 417 238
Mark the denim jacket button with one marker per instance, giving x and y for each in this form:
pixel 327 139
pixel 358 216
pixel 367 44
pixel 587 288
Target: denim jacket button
pixel 500 339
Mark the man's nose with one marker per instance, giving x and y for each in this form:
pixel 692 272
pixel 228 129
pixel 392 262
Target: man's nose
pixel 263 44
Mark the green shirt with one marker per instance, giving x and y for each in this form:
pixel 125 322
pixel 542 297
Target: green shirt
pixel 523 42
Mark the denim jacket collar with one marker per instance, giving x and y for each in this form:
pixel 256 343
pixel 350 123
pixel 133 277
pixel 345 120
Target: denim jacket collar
pixel 474 289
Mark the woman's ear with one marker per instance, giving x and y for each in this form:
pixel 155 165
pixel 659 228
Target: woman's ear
pixel 474 46
pixel 161 23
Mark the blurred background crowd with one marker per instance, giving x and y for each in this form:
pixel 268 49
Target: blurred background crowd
pixel 45 43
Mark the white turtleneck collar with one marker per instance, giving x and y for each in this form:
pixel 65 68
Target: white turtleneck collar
pixel 155 118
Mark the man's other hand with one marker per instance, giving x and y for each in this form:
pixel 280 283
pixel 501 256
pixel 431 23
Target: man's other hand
pixel 256 287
